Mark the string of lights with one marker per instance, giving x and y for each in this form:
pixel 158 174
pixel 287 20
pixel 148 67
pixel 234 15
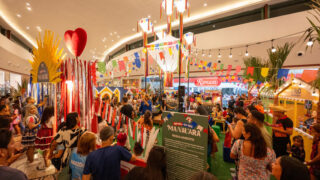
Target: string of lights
pixel 195 51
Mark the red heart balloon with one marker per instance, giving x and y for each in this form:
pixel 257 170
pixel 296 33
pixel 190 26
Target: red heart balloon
pixel 76 41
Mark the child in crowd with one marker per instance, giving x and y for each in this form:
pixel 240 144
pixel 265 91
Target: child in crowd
pixel 86 144
pixel 297 149
pixel 122 140
pixel 32 123
pixel 45 134
pixel 225 112
pixel 138 150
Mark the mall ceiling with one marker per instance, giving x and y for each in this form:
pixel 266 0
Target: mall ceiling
pixel 110 24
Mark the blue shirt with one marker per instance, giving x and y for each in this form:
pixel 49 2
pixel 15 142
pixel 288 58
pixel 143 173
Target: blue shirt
pixel 77 162
pixel 104 163
pixel 144 108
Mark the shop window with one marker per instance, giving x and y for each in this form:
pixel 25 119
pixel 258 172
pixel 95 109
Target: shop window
pixel 15 79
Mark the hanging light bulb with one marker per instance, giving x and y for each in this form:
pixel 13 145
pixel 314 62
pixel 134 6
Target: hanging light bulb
pixel 273 49
pixel 203 54
pixel 230 55
pixel 247 53
pixel 210 55
pixel 310 42
pixel 219 55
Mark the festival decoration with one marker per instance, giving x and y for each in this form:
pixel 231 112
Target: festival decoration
pixel 282 73
pixel 76 41
pixel 264 72
pixel 167 61
pixel 250 71
pixel 46 59
pixel 101 67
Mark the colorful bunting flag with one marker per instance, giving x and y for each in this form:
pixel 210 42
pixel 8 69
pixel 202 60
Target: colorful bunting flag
pixel 138 63
pixel 250 71
pixel 264 72
pixel 102 67
pixel 282 73
pixel 238 69
pixel 121 66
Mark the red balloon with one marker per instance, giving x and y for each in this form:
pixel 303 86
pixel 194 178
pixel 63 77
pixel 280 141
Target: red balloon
pixel 76 41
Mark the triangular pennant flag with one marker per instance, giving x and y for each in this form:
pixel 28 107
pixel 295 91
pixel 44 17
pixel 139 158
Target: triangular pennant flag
pixel 215 66
pixel 138 63
pixel 238 69
pixel 161 55
pixel 170 51
pixel 250 71
pixel 264 72
pixel 121 66
pixel 282 73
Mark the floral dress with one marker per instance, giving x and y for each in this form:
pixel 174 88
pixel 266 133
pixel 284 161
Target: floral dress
pixel 251 168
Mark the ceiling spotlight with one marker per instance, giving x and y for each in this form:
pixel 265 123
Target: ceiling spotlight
pixel 112 40
pixel 310 42
pixel 28 27
pixel 154 21
pixel 247 53
pixel 133 29
pixel 230 55
pixel 203 54
pixel 205 4
pixel 110 34
pixel 149 16
pixel 219 55
pixel 115 33
pixel 19 15
pixel 28 4
pixel 273 49
pixel 29 8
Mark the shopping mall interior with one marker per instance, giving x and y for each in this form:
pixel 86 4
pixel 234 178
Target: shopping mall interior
pixel 160 89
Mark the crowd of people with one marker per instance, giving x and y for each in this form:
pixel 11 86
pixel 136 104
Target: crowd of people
pixel 79 154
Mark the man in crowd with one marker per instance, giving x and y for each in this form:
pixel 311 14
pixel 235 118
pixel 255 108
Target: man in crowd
pixel 104 163
pixel 282 129
pixel 127 109
pixel 200 109
pixel 7 149
pixel 231 102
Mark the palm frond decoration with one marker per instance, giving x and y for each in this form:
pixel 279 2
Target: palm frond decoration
pixel 257 63
pixel 313 33
pixel 276 61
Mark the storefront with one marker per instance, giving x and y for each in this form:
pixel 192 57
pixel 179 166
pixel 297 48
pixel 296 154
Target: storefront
pixel 300 100
pixel 207 85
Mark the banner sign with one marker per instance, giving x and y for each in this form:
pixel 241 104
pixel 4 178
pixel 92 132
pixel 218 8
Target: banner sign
pixel 185 137
pixel 201 82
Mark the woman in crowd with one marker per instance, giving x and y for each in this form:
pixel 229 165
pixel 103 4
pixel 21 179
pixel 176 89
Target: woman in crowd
pixel 253 154
pixel 314 163
pixel 257 118
pixel 45 134
pixel 241 115
pixel 67 137
pixel 157 164
pixel 32 125
pixel 289 168
pixel 17 117
pixel 146 120
pixel 86 144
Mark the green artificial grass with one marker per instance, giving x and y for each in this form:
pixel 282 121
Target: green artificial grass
pixel 220 168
